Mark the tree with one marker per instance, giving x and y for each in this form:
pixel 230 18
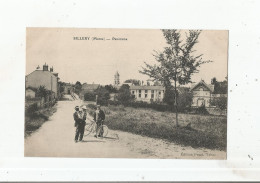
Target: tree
pixel 78 87
pixel 111 89
pixel 103 95
pixel 124 94
pixel 89 96
pixel 220 87
pixel 220 102
pixel 177 62
pixel 42 91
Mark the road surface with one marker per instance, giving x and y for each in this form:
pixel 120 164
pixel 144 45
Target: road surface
pixel 56 139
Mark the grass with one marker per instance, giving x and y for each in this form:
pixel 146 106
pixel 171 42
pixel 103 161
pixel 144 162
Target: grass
pixel 198 131
pixel 35 120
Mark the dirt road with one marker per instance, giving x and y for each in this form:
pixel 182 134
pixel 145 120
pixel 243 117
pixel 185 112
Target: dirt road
pixel 56 139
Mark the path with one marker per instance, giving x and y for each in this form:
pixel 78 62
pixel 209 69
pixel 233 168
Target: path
pixel 56 139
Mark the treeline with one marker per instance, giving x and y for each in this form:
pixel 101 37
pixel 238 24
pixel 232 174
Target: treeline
pixel 124 97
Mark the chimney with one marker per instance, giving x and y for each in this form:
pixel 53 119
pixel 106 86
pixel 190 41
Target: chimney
pixel 51 69
pixel 38 67
pixel 45 67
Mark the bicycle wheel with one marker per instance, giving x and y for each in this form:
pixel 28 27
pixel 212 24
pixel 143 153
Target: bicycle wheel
pixel 88 129
pixel 104 128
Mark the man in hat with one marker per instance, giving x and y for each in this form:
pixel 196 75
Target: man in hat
pixel 80 117
pixel 99 117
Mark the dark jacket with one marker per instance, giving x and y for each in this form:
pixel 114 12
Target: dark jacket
pixel 100 117
pixel 78 120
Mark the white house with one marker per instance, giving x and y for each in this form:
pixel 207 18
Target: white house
pixel 148 93
pixel 44 77
pixel 203 93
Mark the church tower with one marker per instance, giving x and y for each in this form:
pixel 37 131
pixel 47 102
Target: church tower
pixel 116 79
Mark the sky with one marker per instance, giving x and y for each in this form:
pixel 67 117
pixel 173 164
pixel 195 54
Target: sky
pixel 96 61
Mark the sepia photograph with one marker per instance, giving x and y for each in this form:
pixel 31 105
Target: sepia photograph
pixel 126 93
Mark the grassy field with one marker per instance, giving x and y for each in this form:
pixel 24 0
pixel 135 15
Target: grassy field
pixel 197 131
pixel 35 120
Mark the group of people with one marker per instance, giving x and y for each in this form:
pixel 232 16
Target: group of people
pixel 80 116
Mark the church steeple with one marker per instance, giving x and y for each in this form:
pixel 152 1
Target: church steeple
pixel 116 79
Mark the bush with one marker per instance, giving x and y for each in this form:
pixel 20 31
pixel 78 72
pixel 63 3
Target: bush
pixel 220 102
pixel 202 110
pixel 156 106
pixel 31 109
pixel 89 96
pixel 92 106
pixel 124 95
pixel 103 96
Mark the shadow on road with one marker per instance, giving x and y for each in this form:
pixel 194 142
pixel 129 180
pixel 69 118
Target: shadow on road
pixel 111 138
pixel 92 141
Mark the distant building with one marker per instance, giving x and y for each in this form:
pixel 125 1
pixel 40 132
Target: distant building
pixel 88 88
pixel 68 88
pixel 203 94
pixel 44 77
pixel 148 93
pixel 30 92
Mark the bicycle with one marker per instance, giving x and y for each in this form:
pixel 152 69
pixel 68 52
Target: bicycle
pixel 91 128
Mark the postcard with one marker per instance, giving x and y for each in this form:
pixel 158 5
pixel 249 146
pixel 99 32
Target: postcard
pixel 126 93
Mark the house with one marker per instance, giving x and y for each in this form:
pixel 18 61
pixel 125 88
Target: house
pixel 88 88
pixel 30 92
pixel 203 93
pixel 44 77
pixel 68 88
pixel 148 93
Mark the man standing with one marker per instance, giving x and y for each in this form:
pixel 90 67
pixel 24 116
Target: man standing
pixel 99 117
pixel 80 117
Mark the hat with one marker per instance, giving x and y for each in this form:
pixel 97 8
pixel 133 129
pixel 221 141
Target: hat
pixel 77 107
pixel 84 107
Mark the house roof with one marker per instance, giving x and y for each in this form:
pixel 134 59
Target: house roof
pixel 132 87
pixel 202 82
pixel 47 73
pixel 86 86
pixel 183 89
pixel 31 88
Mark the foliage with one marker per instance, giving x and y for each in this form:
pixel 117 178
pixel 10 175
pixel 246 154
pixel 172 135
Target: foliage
pixel 169 95
pixel 89 96
pixel 124 94
pixel 177 62
pixel 78 87
pixel 220 87
pixel 92 106
pixel 103 95
pixel 111 89
pixel 134 81
pixel 220 102
pixel 42 92
pixel 62 86
pixel 202 110
pixel 185 99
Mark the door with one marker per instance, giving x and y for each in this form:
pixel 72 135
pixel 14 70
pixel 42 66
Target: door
pixel 201 102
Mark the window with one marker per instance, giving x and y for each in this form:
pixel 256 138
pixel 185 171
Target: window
pixel 133 92
pixel 139 91
pixel 152 96
pixel 139 95
pixel 152 91
pixel 146 91
pixel 145 95
pixel 159 93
